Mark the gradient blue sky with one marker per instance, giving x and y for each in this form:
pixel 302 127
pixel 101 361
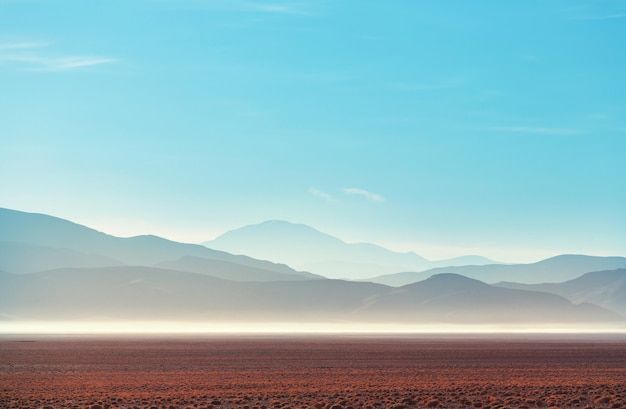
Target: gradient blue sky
pixel 442 127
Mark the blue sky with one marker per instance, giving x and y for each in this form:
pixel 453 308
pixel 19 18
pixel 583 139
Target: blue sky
pixel 446 128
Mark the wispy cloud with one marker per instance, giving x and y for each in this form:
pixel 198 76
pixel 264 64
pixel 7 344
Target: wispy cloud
pixel 38 63
pixel 323 195
pixel 362 192
pixel 319 76
pixel 22 45
pixel 407 86
pixel 598 116
pixel 304 8
pixel 598 10
pixel 446 83
pixel 69 63
pixel 34 56
pixel 285 8
pixel 600 17
pixel 536 130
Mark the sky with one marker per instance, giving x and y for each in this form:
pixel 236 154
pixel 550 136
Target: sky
pixel 446 128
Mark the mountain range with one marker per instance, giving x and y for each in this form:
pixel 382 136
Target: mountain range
pixel 555 269
pixel 143 293
pixel 53 269
pixel 31 242
pixel 305 248
pixel 604 288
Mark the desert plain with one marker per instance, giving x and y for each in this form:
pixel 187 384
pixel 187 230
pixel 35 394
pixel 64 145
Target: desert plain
pixel 317 372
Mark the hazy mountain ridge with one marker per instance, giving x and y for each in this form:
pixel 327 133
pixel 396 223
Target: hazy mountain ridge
pixel 52 242
pixel 232 271
pixel 28 258
pixel 459 298
pixel 148 293
pixel 554 269
pixel 604 288
pixel 191 282
pixel 306 248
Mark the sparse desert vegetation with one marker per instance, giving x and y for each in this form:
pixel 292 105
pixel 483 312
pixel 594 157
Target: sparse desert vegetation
pixel 315 373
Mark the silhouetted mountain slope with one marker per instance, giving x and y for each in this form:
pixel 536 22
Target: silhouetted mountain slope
pixel 604 288
pixel 158 294
pixel 305 248
pixel 254 290
pixel 85 247
pixel 559 268
pixel 308 249
pixel 28 258
pixel 469 260
pixel 232 271
pixel 456 298
pixel 104 293
pixel 44 230
pixel 152 293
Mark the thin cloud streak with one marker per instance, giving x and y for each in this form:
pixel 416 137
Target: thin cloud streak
pixel 535 130
pixel 276 7
pixel 362 192
pixel 446 83
pixel 323 195
pixel 29 56
pixel 604 17
pixel 39 63
pixel 69 63
pixel 22 45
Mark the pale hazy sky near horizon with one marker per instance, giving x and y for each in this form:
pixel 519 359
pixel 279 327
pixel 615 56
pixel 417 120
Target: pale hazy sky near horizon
pixel 443 127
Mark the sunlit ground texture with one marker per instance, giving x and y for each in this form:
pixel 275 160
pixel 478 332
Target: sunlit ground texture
pixel 319 372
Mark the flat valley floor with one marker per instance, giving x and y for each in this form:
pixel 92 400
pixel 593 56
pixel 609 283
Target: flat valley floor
pixel 311 372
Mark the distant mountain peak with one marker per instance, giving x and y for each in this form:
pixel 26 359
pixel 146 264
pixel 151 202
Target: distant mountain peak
pixel 453 280
pixel 450 277
pixel 280 222
pixel 35 242
pixel 572 256
pixel 308 249
pixel 555 269
pixel 282 226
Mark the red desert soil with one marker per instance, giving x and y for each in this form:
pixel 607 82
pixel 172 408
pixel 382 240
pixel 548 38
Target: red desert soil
pixel 316 373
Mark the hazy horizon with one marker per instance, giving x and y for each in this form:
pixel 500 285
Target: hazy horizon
pixel 181 327
pixel 60 277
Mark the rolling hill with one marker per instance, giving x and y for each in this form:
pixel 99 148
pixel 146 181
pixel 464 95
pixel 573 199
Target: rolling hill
pixel 604 288
pixel 145 293
pixel 233 271
pixel 554 269
pixel 29 258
